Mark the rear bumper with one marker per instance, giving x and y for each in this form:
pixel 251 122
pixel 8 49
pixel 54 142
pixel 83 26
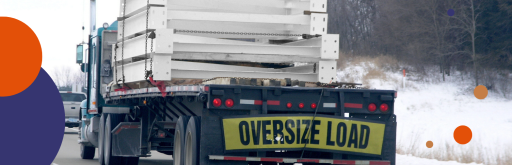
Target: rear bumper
pixel 71 122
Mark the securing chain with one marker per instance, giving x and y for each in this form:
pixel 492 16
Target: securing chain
pixel 152 36
pixel 115 63
pixel 238 33
pixel 122 40
pixel 146 73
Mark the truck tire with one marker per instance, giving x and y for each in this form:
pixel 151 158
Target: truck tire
pixel 87 152
pixel 179 142
pixel 192 140
pixel 112 121
pixel 101 140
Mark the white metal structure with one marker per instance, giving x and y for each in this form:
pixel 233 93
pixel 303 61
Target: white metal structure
pixel 225 30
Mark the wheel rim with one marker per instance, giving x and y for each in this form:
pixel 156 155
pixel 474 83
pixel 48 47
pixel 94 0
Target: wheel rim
pixel 177 148
pixel 188 149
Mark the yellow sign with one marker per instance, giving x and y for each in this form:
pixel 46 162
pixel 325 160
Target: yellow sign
pixel 286 132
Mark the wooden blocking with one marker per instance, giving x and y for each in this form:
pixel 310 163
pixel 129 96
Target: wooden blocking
pixel 288 81
pixel 265 83
pixel 302 84
pixel 275 83
pixel 244 81
pixel 295 83
pixel 311 84
pixel 254 82
pixel 232 81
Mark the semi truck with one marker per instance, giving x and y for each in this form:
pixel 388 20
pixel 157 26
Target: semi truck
pixel 227 82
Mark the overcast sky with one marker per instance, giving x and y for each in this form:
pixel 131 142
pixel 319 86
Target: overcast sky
pixel 58 25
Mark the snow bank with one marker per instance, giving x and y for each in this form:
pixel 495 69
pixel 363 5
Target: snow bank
pixel 429 109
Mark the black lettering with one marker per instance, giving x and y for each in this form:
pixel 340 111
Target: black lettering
pixel 329 141
pixel 256 132
pixel 339 134
pixel 289 124
pixel 298 131
pixel 278 131
pixel 247 140
pixel 363 143
pixel 314 132
pixel 305 140
pixel 353 136
pixel 266 132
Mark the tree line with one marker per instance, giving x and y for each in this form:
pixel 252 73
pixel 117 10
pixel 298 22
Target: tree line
pixel 477 37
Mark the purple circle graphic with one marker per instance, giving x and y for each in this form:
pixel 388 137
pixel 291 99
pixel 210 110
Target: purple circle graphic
pixel 451 12
pixel 32 123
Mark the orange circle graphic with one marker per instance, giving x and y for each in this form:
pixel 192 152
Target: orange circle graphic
pixel 480 92
pixel 462 134
pixel 430 144
pixel 20 56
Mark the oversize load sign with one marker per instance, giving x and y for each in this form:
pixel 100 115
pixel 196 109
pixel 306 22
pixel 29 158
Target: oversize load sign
pixel 291 132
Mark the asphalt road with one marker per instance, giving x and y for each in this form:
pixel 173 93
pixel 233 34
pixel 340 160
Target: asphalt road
pixel 69 153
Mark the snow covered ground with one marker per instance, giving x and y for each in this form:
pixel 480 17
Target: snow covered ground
pixel 412 160
pixel 431 110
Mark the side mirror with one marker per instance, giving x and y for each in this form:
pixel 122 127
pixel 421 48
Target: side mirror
pixel 79 54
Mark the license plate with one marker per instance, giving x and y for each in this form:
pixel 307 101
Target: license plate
pixel 72 120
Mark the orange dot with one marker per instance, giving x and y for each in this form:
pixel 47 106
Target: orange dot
pixel 20 56
pixel 430 144
pixel 480 92
pixel 462 134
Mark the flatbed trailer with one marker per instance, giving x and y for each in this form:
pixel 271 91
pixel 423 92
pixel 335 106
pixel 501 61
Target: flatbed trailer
pixel 218 82
pixel 224 132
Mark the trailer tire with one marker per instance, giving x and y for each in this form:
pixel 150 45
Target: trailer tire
pixel 101 140
pixel 179 140
pixel 87 152
pixel 192 140
pixel 112 121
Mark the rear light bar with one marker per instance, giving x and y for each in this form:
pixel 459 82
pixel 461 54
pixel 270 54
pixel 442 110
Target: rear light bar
pixel 297 160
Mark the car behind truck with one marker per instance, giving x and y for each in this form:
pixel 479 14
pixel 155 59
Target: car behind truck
pixel 217 83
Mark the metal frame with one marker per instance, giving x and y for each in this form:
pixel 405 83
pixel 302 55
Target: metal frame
pixel 200 30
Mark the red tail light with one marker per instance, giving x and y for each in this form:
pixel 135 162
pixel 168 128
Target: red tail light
pixel 301 105
pixel 288 105
pixel 372 107
pixel 217 102
pixel 229 103
pixel 384 107
pixel 313 105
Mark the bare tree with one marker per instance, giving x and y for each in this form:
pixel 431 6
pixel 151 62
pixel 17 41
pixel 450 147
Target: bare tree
pixel 65 76
pixel 468 18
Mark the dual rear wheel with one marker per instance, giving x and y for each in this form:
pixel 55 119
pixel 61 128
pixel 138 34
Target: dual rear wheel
pixel 186 140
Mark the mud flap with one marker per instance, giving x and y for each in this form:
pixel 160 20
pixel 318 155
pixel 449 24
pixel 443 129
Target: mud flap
pixel 126 139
